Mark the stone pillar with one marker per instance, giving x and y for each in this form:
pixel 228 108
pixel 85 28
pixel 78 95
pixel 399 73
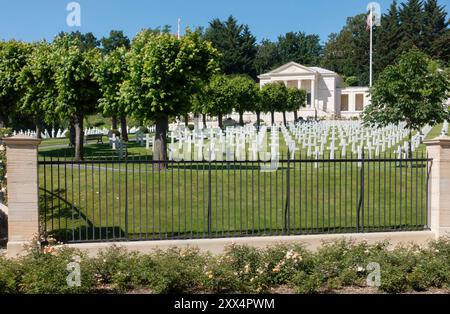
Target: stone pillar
pixel 439 186
pixel 23 201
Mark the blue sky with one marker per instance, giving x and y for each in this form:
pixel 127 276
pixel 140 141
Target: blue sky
pixel 39 19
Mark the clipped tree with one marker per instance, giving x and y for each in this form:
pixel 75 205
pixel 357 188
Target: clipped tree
pixel 110 73
pixel 219 97
pixel 164 74
pixel 274 98
pixel 74 63
pixel 13 58
pixel 413 91
pixel 296 99
pixel 246 93
pixel 115 40
pixel 39 88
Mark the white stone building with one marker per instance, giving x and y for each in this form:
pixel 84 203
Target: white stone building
pixel 325 91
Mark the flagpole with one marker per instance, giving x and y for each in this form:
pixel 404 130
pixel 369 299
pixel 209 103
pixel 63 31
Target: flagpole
pixel 371 47
pixel 179 28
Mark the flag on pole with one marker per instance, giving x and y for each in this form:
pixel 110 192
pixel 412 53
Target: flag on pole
pixel 369 21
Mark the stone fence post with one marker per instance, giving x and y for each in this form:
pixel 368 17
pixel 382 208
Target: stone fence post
pixel 23 200
pixel 439 185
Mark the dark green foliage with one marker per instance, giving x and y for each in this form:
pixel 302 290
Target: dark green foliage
pixel 267 57
pixel 300 48
pixel 116 39
pixel 236 44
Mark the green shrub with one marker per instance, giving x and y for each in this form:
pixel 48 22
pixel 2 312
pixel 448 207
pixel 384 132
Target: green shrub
pixel 393 279
pixel 281 261
pixel 220 277
pixel 236 271
pixel 174 271
pixel 46 272
pixel 8 276
pixel 117 267
pixel 306 283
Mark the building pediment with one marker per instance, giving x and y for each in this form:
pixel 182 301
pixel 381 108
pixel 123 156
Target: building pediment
pixel 291 68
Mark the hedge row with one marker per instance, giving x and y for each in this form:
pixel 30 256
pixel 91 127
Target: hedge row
pixel 240 269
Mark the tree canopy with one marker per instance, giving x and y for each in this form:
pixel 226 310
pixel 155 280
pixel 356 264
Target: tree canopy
pixel 274 98
pixel 413 91
pixel 164 73
pixel 13 58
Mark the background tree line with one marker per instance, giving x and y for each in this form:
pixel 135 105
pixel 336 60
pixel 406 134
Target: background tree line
pixel 78 75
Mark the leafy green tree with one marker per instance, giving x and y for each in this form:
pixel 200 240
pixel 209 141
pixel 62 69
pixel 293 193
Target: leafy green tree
pixel 110 73
pixel 219 97
pixel 246 93
pixel 116 39
pixel 13 58
pixel 39 88
pixel 74 62
pixel 274 98
pixel 413 91
pixel 300 48
pixel 267 57
pixel 165 72
pixel 295 100
pixel 236 44
pixel 87 41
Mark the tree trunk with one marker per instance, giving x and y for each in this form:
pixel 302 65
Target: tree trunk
pixel 186 120
pixel 258 119
pixel 2 121
pixel 72 134
pixel 272 114
pixel 241 118
pixel 204 120
pixel 219 117
pixel 284 118
pixel 123 126
pixel 79 136
pixel 160 146
pixel 114 122
pixel 38 128
pixel 410 144
pixel 295 115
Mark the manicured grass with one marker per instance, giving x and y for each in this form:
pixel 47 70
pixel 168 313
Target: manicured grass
pixel 435 132
pixel 116 200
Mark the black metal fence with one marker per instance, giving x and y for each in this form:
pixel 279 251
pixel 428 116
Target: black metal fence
pixel 111 199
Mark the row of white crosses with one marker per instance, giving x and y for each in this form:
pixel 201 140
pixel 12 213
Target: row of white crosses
pixel 45 134
pixel 239 144
pixel 340 135
pixel 27 133
pixel 327 137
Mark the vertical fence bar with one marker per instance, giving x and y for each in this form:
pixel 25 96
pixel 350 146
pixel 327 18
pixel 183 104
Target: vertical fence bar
pixel 126 197
pixel 209 200
pixel 286 228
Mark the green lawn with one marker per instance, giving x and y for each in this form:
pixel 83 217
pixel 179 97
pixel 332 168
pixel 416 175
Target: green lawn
pixel 243 199
pixel 131 199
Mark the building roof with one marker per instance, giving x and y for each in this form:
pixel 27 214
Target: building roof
pixel 294 68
